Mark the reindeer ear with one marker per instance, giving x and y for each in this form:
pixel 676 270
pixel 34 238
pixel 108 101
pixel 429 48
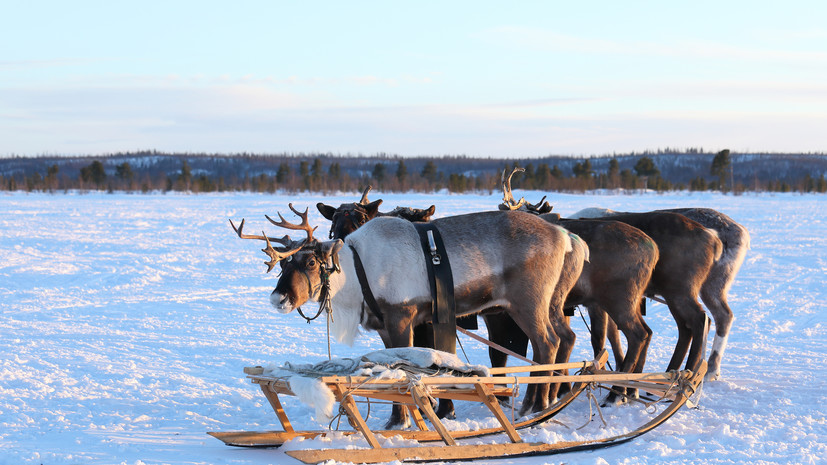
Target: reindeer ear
pixel 372 208
pixel 326 210
pixel 330 248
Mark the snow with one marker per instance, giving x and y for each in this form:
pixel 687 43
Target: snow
pixel 126 321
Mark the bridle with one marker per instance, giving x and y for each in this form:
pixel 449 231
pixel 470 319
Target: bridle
pixel 324 275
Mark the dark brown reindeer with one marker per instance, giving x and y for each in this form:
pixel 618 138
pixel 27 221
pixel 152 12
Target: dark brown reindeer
pixel 736 241
pixel 620 266
pixel 510 261
pixel 688 252
pixel 349 216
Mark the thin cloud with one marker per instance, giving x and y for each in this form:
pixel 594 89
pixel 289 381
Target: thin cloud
pixel 544 39
pixel 22 64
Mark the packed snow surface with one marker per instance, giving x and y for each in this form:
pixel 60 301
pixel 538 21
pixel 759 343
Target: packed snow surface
pixel 126 320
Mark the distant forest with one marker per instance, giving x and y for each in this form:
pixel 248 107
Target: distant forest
pixel 661 170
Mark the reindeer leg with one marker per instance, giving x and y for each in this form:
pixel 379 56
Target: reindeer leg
pixel 567 338
pixel 700 328
pixel 691 321
pixel 504 331
pixel 423 336
pixel 601 326
pixel 544 344
pixel 616 343
pixel 400 333
pixel 713 294
pixel 598 320
pixel 637 336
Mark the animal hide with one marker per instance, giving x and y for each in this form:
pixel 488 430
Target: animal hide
pixel 398 363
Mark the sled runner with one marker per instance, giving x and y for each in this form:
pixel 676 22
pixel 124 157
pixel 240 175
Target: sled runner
pixel 418 392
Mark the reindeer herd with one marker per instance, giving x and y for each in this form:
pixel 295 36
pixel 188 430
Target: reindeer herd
pixel 521 268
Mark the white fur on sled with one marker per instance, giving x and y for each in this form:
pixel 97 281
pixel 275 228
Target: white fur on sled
pixel 382 364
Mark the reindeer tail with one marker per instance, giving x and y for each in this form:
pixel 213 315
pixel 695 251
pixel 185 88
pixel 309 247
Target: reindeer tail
pixel 719 245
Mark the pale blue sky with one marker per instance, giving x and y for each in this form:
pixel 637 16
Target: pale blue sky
pixel 519 79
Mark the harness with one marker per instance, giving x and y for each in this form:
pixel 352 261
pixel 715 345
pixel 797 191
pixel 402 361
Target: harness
pixel 367 294
pixel 443 306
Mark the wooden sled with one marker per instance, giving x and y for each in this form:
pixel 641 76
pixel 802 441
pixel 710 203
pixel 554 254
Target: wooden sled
pixel 676 386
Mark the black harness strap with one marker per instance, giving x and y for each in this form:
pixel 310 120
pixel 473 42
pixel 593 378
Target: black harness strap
pixel 363 282
pixel 444 312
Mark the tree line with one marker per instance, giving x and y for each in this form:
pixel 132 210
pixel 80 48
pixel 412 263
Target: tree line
pixel 389 174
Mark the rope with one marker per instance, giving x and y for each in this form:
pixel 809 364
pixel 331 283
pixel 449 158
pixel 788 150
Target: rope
pixel 329 317
pixel 345 395
pixel 680 383
pixel 580 310
pixel 463 350
pixel 592 400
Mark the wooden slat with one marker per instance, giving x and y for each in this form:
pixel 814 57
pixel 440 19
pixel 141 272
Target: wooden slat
pixel 490 400
pixel 460 394
pixel 257 370
pixel 417 418
pixel 428 453
pixel 501 380
pixel 424 404
pixel 273 398
pixel 352 411
pixel 653 388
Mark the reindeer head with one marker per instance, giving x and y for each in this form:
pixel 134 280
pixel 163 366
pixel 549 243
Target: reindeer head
pixel 304 264
pixel 509 203
pixel 414 215
pixel 349 216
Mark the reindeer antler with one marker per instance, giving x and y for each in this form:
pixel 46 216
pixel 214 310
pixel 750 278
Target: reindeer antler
pixel 508 198
pixel 364 199
pixel 304 226
pixel 540 207
pixel 274 254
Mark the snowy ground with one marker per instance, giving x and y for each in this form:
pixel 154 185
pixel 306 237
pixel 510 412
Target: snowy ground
pixel 126 321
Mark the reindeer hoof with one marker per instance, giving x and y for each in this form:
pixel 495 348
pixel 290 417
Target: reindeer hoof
pixel 614 400
pixel 396 424
pixel 712 376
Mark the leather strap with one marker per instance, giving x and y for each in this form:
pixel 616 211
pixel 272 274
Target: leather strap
pixel 367 294
pixel 444 316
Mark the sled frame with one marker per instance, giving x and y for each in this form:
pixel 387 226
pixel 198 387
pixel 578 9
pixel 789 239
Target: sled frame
pixel 417 397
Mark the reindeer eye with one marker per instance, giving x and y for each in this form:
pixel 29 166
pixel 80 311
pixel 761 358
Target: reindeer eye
pixel 311 262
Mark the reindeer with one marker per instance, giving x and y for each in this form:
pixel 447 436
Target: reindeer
pixel 688 252
pixel 613 281
pixel 349 216
pixel 508 261
pixel 736 241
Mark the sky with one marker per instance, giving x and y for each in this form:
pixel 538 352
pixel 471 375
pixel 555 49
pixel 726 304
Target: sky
pixel 477 78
